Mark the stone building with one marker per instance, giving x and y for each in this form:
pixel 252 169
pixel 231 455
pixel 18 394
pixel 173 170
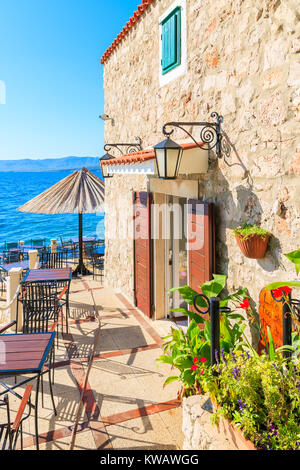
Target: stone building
pixel 241 59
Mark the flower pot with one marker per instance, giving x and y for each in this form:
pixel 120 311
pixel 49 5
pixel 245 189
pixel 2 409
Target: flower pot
pixel 231 432
pixel 254 247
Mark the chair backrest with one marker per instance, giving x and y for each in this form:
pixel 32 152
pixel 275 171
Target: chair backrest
pixel 11 257
pixel 8 246
pixel 38 242
pixel 61 241
pixel 3 279
pixel 53 260
pixel 40 306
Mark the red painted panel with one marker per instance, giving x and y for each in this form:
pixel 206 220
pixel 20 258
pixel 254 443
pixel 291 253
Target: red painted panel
pixel 201 240
pixel 143 252
pixel 270 313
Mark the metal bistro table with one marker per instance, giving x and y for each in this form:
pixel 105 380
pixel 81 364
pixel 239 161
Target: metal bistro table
pixel 23 354
pixel 61 277
pixel 18 264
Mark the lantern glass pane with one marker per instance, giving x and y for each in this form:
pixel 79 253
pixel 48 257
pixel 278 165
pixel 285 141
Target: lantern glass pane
pixel 161 162
pixel 172 162
pixel 104 171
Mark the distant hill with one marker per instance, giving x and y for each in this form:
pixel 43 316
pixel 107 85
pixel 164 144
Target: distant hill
pixel 50 164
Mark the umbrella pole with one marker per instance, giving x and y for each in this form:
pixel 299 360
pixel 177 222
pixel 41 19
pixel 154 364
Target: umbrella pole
pixel 81 269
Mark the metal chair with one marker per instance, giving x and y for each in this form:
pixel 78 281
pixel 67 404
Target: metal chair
pixel 11 257
pixel 10 431
pixel 69 248
pixel 3 279
pixel 11 245
pixel 40 242
pixel 41 312
pixel 41 307
pixel 97 262
pixel 53 260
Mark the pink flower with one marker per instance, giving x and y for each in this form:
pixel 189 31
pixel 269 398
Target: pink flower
pixel 203 360
pixel 202 372
pixel 194 367
pixel 245 304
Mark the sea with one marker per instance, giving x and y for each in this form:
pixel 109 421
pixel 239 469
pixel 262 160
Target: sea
pixel 18 188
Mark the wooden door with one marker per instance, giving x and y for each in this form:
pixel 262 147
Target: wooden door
pixel 143 252
pixel 201 243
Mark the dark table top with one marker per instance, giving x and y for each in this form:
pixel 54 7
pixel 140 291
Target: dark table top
pixel 84 239
pixel 44 275
pixel 17 264
pixel 24 353
pixel 24 249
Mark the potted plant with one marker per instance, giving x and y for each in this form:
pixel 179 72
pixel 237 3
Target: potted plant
pixel 256 398
pixel 252 240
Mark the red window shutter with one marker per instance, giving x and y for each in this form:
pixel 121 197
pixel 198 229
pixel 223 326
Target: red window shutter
pixel 201 243
pixel 142 252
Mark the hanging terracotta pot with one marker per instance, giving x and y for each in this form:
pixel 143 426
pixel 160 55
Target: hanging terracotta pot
pixel 254 246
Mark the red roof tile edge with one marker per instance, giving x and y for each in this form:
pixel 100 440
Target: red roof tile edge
pixel 130 24
pixel 140 157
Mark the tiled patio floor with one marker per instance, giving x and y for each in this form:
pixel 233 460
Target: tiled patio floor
pixel 125 405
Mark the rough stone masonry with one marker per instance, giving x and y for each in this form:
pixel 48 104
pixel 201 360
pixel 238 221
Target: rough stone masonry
pixel 243 61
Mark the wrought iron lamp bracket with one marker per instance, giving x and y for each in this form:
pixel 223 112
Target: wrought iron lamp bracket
pixel 210 132
pixel 129 147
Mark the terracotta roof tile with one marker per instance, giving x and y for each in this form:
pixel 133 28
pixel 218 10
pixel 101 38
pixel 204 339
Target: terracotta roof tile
pixel 130 24
pixel 140 157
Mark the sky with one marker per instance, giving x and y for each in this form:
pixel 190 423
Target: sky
pixel 51 88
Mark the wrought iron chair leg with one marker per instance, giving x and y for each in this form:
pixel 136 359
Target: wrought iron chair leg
pixel 53 365
pixel 42 387
pixel 50 385
pixel 21 431
pixel 36 413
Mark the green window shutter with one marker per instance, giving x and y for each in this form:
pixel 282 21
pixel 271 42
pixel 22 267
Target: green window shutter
pixel 171 41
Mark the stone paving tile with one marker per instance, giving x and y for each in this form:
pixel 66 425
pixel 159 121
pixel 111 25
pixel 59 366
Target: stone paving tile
pixel 146 433
pixel 128 382
pixel 66 398
pixel 84 441
pixel 123 383
pixel 173 421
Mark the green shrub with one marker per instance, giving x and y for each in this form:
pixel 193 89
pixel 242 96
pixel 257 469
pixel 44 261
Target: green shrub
pixel 247 231
pixel 262 397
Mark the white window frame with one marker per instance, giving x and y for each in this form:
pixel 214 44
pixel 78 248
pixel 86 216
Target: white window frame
pixel 181 69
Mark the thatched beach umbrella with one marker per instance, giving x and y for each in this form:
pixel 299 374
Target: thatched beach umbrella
pixel 80 193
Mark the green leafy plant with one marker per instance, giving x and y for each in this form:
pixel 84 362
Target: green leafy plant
pixel 294 257
pixel 183 351
pixel 247 231
pixel 260 395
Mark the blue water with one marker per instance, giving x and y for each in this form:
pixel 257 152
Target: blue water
pixel 18 188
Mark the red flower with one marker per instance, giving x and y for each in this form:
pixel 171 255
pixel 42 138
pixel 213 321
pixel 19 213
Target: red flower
pixel 202 372
pixel 277 293
pixel 281 292
pixel 286 290
pixel 195 360
pixel 203 359
pixel 194 367
pixel 245 304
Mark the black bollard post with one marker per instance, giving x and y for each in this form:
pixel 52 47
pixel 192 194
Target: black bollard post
pixel 287 326
pixel 214 310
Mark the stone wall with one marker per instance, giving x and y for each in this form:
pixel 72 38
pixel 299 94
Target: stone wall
pixel 201 434
pixel 119 231
pixel 244 63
